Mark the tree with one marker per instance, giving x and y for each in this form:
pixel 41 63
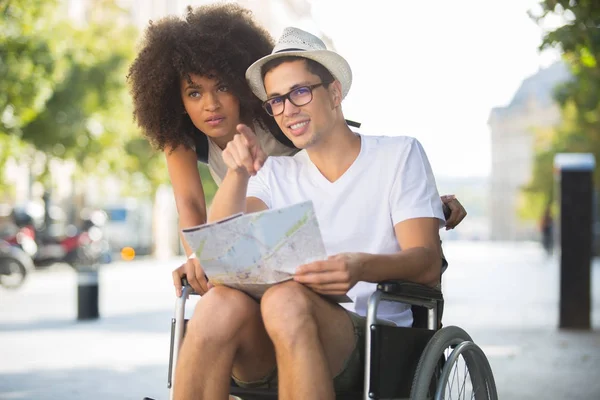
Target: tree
pixel 9 145
pixel 63 95
pixel 83 116
pixel 579 98
pixel 30 66
pixel 29 62
pixel 88 117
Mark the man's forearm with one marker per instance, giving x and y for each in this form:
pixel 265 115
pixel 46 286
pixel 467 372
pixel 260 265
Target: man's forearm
pixel 419 265
pixel 231 197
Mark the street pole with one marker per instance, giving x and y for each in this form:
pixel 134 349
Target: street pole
pixel 575 189
pixel 87 293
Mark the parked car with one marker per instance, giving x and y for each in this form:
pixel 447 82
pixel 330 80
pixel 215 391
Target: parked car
pixel 129 224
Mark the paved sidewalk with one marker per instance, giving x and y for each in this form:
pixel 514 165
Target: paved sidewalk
pixel 504 295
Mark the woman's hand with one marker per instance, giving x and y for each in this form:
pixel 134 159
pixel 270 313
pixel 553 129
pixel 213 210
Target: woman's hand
pixel 457 211
pixel 243 152
pixel 193 272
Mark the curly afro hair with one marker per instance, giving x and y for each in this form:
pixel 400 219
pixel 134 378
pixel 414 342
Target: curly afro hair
pixel 215 40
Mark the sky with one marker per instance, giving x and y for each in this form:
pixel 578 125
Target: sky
pixel 435 69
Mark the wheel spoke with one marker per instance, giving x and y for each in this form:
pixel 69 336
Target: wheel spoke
pixel 460 383
pixel 456 345
pixel 466 373
pixel 450 384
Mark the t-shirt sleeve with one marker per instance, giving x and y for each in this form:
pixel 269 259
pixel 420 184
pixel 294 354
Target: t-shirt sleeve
pixel 414 193
pixel 258 186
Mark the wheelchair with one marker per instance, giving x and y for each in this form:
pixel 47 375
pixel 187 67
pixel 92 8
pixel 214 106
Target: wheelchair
pixel 425 361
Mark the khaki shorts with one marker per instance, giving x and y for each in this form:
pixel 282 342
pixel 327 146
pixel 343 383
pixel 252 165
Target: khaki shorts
pixel 351 376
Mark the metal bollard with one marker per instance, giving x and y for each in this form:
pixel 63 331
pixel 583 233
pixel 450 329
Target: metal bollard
pixel 87 294
pixel 575 188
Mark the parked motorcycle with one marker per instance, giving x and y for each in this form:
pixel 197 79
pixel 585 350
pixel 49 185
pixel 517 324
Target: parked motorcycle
pixel 15 265
pixel 22 237
pixel 56 241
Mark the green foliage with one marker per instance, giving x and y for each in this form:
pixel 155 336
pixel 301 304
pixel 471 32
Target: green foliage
pixel 579 41
pixel 64 93
pixel 30 64
pixel 144 169
pixel 9 145
pixel 79 116
pixel 209 185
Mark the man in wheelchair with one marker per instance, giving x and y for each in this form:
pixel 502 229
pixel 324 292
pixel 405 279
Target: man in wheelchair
pixel 379 212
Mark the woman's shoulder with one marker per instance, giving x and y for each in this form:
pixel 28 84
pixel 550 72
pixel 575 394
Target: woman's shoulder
pixel 199 142
pixel 271 145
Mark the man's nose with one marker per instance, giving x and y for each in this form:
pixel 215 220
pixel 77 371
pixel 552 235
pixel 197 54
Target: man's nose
pixel 289 108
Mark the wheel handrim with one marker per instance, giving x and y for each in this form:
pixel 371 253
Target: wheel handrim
pixel 456 381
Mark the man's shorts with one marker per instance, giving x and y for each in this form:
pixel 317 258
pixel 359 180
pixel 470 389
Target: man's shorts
pixel 351 376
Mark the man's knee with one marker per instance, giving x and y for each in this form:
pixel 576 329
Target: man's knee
pixel 287 309
pixel 221 314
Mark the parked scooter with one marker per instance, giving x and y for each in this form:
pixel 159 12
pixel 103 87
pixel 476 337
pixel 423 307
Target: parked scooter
pixel 22 237
pixel 15 265
pixel 56 241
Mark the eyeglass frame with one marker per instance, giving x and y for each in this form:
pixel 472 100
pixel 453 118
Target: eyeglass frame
pixel 286 96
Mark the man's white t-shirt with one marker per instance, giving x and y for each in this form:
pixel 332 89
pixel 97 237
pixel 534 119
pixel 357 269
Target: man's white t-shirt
pixel 389 182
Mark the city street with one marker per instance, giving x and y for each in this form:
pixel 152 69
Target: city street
pixel 504 295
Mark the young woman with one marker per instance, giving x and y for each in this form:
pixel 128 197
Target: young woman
pixel 189 93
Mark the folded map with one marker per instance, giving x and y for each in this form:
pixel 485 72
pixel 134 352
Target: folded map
pixel 252 252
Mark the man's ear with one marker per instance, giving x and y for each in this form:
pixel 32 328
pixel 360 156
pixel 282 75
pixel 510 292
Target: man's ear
pixel 336 88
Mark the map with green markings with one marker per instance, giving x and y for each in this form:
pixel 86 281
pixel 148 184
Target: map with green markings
pixel 251 252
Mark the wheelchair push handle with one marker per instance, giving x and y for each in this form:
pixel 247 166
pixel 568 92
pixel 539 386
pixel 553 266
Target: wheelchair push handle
pixel 184 281
pixel 187 288
pixel 186 284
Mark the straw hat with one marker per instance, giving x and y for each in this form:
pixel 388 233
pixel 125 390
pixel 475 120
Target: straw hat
pixel 296 42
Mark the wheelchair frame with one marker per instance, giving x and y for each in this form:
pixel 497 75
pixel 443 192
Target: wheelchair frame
pixel 420 297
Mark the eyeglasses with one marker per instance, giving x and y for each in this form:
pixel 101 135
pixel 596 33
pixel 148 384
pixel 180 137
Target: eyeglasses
pixel 300 96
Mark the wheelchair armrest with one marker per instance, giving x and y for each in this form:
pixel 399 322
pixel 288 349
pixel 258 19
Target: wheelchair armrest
pixel 410 289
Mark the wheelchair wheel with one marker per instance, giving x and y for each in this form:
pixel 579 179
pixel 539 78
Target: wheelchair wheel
pixel 483 385
pixel 453 367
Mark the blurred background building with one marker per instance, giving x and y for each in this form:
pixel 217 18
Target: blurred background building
pixel 512 141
